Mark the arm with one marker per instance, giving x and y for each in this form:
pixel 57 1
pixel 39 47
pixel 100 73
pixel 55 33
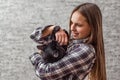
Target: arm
pixel 76 60
pixel 61 36
pixel 47 31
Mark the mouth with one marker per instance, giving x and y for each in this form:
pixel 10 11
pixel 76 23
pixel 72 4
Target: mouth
pixel 75 34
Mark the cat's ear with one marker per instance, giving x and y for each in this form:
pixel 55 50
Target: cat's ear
pixel 40 47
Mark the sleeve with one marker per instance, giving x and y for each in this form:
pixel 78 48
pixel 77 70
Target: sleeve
pixel 35 58
pixel 78 59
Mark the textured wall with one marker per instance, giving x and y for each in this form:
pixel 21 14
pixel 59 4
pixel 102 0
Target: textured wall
pixel 18 18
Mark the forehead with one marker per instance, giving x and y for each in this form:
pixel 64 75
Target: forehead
pixel 77 17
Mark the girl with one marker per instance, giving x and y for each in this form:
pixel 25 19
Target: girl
pixel 85 53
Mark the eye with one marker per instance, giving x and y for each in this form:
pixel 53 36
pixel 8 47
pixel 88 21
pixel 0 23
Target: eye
pixel 71 23
pixel 79 25
pixel 56 54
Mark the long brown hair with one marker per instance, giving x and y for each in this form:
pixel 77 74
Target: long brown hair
pixel 94 18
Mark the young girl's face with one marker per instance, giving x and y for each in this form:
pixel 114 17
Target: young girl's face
pixel 80 29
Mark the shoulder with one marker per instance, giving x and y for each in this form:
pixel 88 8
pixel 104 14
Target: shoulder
pixel 87 47
pixel 82 48
pixel 86 52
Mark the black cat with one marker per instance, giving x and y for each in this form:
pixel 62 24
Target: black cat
pixel 52 51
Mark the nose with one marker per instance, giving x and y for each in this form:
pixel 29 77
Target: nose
pixel 32 36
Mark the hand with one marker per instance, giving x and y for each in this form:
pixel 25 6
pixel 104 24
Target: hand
pixel 61 37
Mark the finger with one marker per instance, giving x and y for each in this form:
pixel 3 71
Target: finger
pixel 65 40
pixel 62 40
pixel 58 37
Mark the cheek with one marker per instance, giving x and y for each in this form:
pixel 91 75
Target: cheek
pixel 87 32
pixel 81 30
pixel 84 31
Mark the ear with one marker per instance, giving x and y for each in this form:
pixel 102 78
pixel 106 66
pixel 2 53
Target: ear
pixel 40 47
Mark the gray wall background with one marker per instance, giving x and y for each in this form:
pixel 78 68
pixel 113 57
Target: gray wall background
pixel 18 18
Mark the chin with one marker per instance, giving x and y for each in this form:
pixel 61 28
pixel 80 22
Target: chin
pixel 76 38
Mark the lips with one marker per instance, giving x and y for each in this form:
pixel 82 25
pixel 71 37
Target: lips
pixel 75 34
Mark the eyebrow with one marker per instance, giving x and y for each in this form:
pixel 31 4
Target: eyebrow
pixel 76 22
